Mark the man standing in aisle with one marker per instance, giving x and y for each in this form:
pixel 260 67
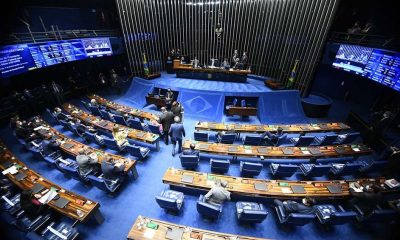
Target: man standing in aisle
pixel 177 132
pixel 166 119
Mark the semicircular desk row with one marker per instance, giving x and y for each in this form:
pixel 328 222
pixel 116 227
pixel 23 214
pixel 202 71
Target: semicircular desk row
pixel 261 188
pixel 255 128
pixel 134 112
pixel 72 148
pixel 279 152
pixel 25 178
pixel 108 126
pixel 148 228
pixel 240 128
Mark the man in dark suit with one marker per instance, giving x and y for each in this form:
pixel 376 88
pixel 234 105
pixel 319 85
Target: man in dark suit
pixel 191 151
pixel 169 97
pixel 112 171
pixel 177 132
pixel 25 131
pixel 177 109
pixel 60 115
pixel 306 206
pixel 272 138
pixel 166 119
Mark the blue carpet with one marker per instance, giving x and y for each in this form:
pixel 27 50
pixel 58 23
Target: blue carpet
pixel 137 196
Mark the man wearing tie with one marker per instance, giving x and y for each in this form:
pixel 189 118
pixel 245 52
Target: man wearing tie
pixel 176 132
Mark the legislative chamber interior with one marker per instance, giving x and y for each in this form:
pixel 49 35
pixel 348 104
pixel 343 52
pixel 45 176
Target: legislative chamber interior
pixel 199 119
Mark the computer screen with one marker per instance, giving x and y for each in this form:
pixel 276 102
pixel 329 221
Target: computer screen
pixel 20 58
pixel 379 65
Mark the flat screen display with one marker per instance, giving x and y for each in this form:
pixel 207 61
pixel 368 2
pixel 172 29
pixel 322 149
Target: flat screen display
pixel 20 58
pixel 379 65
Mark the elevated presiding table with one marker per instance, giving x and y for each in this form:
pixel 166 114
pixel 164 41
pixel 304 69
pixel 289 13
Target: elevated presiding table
pixel 279 152
pixel 72 147
pixel 78 207
pixel 260 188
pixel 252 128
pixel 106 125
pixel 211 73
pixel 123 109
pixel 146 228
pixel 156 100
pixel 242 111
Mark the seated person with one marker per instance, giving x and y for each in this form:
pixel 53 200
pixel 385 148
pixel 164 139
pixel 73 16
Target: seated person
pixel 120 136
pixel 225 64
pixel 272 138
pixel 60 115
pixel 30 204
pixel 191 151
pixel 221 133
pixel 306 206
pixel 94 103
pixel 366 198
pixel 25 131
pixel 87 164
pixel 156 122
pixel 53 145
pixel 218 194
pixel 112 170
pixel 79 126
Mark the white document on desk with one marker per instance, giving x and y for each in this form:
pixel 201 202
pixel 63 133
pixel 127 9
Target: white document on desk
pixel 48 197
pixel 13 170
pixel 149 233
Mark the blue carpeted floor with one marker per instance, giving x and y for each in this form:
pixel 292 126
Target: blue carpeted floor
pixel 137 197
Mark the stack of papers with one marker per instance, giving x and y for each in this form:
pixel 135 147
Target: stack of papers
pixel 48 196
pixel 13 170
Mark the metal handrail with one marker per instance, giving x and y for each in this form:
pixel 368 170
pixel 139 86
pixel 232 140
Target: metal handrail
pixel 388 42
pixel 54 35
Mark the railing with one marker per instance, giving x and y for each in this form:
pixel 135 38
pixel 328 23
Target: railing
pixel 54 35
pixel 378 41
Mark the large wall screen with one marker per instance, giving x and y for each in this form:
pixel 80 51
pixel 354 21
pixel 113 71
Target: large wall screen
pixel 378 65
pixel 20 58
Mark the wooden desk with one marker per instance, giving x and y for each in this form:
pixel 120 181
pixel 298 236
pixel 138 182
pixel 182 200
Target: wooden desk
pixel 97 122
pixel 277 152
pixel 216 73
pixel 189 233
pixel 293 128
pixel 72 147
pixel 240 187
pixel 87 207
pixel 242 111
pixel 156 100
pixel 123 109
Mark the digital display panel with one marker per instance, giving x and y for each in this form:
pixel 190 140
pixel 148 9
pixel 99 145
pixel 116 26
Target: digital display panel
pixel 20 58
pixel 379 65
